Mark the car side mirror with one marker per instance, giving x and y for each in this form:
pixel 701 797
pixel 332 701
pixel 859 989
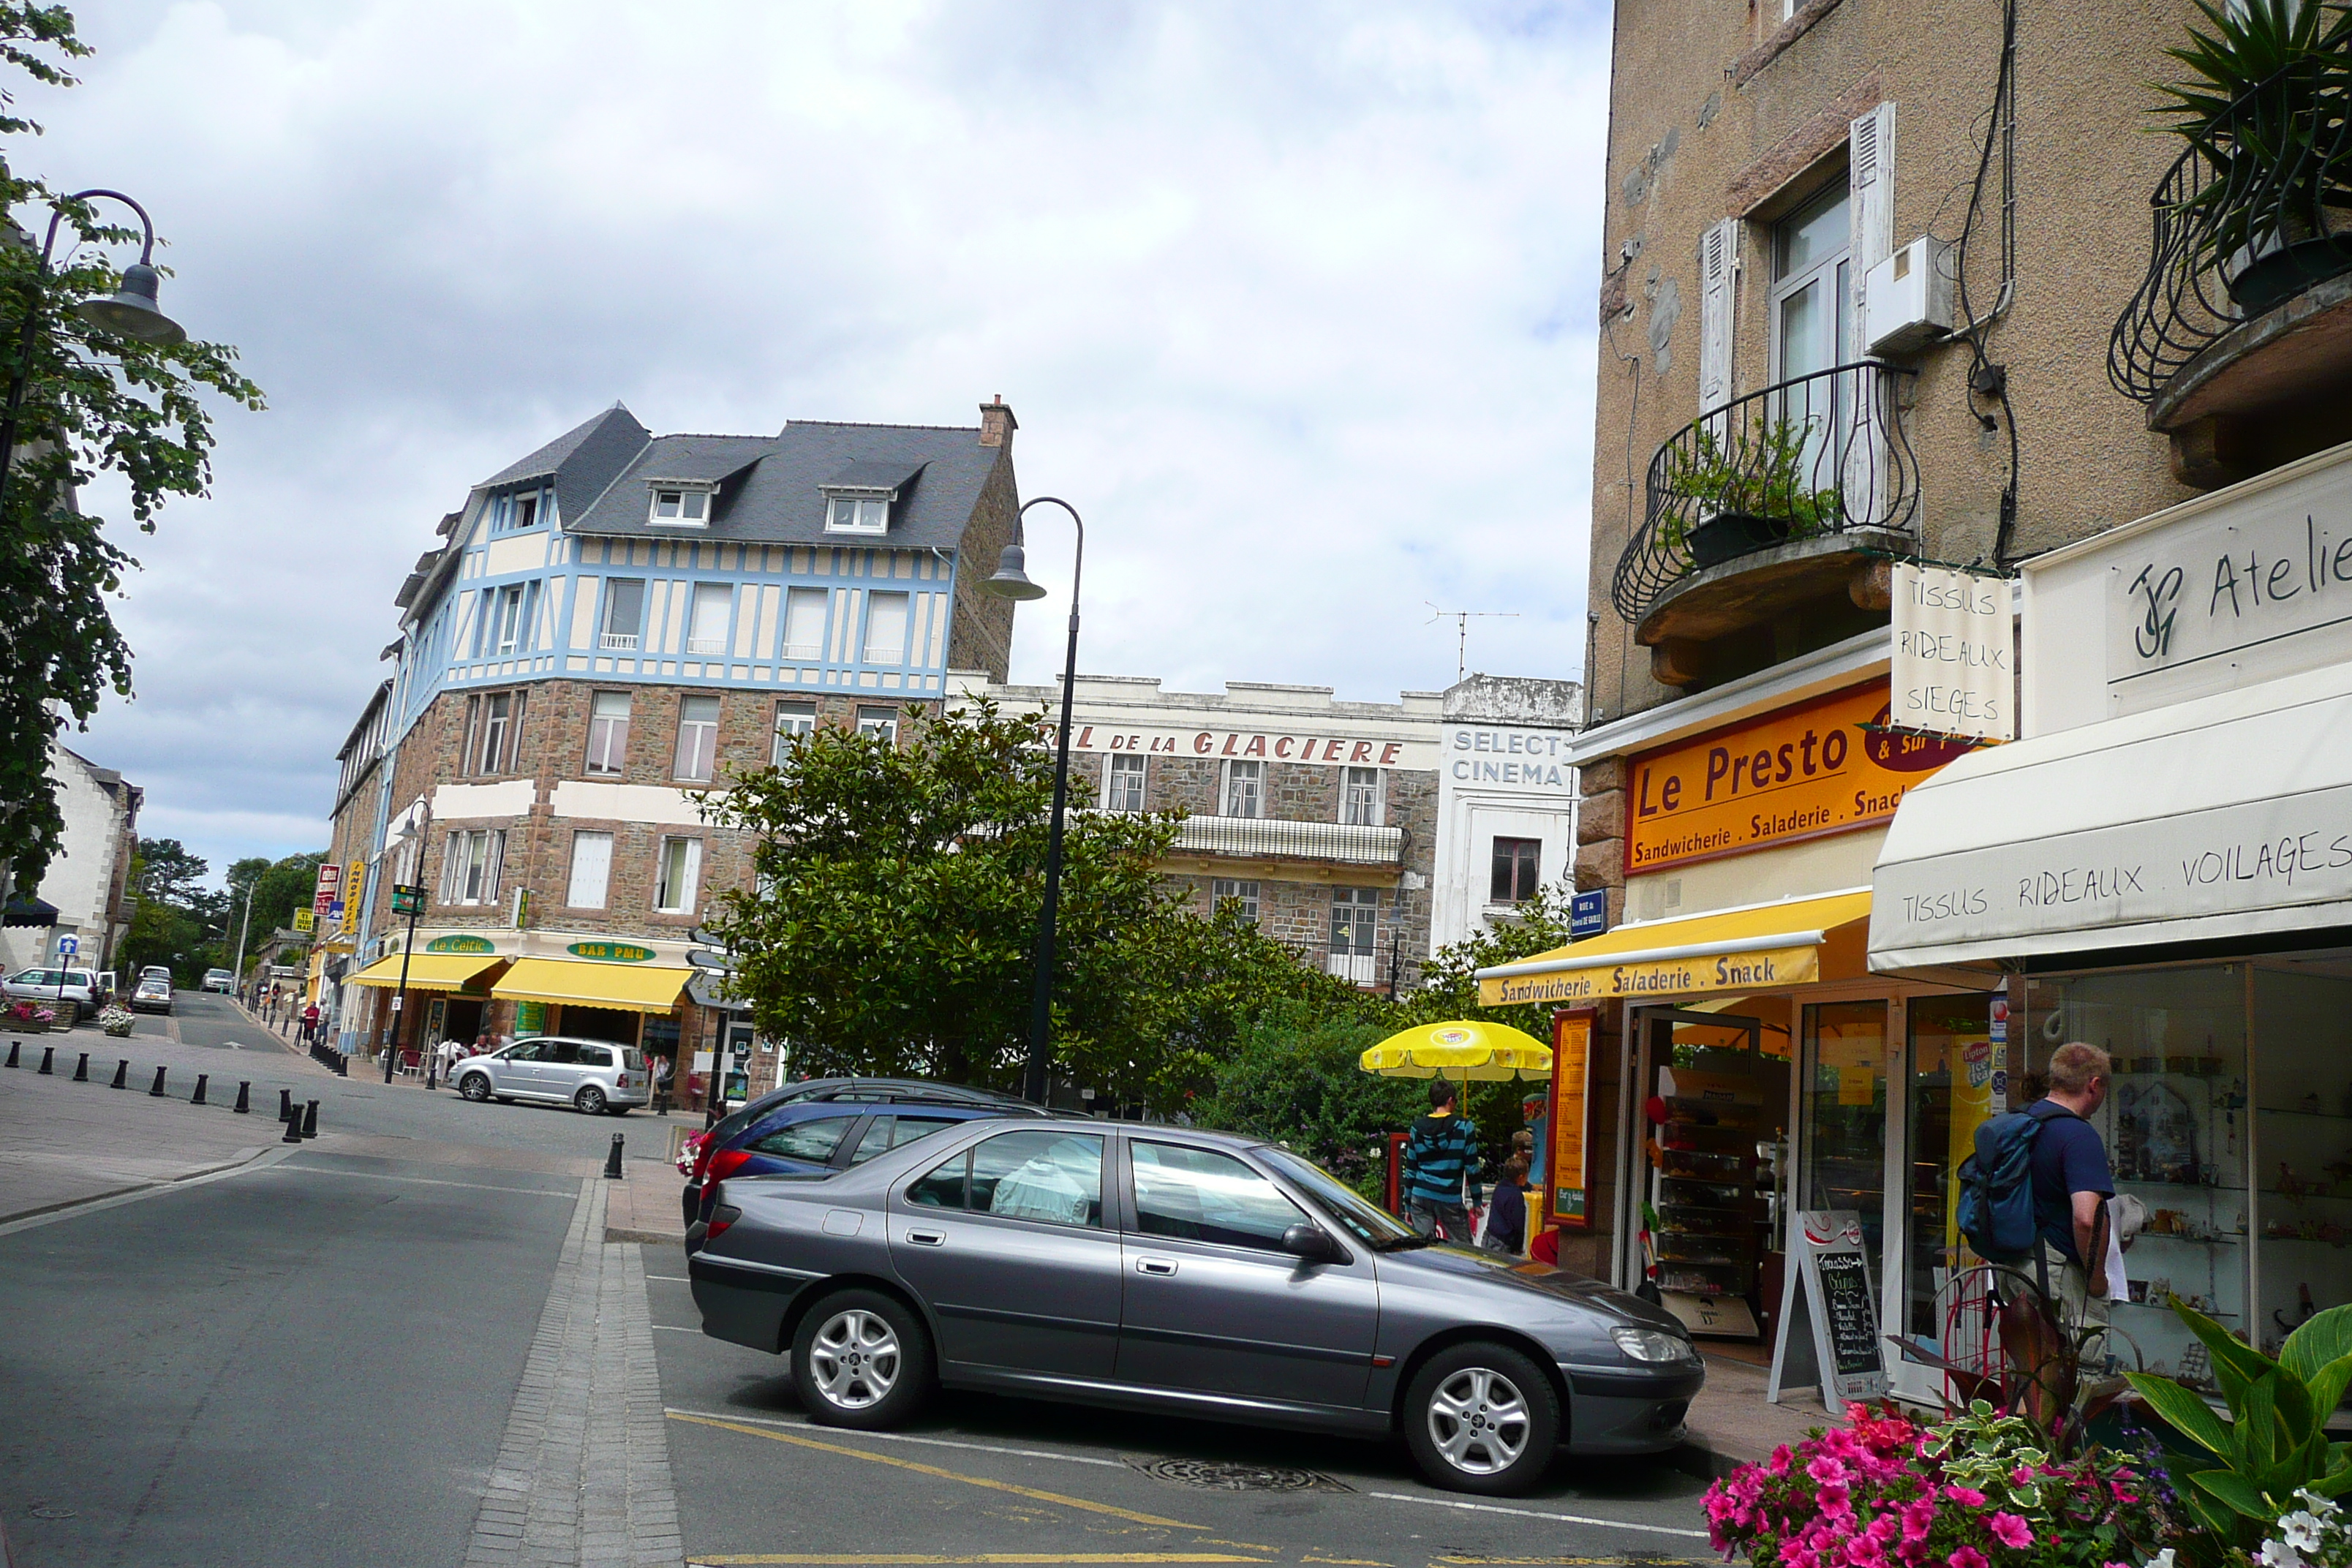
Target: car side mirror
pixel 1312 1244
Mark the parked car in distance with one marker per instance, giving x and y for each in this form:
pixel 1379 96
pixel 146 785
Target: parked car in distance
pixel 732 1127
pixel 152 995
pixel 1171 1271
pixel 803 1137
pixel 591 1076
pixel 78 988
pixel 219 980
pixel 107 987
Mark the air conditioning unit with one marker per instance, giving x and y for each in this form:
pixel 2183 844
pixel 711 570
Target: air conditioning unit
pixel 1906 300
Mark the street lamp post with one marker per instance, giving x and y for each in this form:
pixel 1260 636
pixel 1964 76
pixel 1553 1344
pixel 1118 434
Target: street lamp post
pixel 130 312
pixel 1011 582
pixel 244 930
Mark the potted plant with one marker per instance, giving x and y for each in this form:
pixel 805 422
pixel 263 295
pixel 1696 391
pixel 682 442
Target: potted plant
pixel 117 1021
pixel 27 1016
pixel 2265 104
pixel 1746 494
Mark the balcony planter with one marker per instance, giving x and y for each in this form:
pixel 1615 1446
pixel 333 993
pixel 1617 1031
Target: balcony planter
pixel 1728 536
pixel 1748 490
pixel 2275 269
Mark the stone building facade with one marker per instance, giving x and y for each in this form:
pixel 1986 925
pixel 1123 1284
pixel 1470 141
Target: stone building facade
pixel 613 627
pixel 87 883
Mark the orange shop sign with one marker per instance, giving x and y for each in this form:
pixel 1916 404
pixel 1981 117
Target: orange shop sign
pixel 1825 766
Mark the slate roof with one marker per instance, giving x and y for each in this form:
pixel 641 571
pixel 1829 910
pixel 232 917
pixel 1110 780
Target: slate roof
pixel 700 458
pixel 582 461
pixel 778 498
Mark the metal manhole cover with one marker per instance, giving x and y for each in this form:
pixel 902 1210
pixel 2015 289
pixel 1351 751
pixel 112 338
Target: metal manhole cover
pixel 51 1510
pixel 1225 1475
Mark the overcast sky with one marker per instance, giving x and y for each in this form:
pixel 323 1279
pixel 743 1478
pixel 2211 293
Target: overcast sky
pixel 1295 301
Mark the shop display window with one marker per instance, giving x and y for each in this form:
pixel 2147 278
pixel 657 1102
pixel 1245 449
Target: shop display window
pixel 1843 1153
pixel 1716 1112
pixel 2176 1130
pixel 1952 1092
pixel 2301 1141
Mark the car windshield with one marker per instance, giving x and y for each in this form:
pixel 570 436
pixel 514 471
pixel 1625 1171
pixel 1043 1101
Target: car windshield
pixel 1376 1227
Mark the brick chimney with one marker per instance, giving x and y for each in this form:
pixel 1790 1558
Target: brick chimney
pixel 996 423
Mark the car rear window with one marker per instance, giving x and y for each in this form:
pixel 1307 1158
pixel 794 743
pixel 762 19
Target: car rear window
pixel 632 1059
pixel 814 1139
pixel 1053 1176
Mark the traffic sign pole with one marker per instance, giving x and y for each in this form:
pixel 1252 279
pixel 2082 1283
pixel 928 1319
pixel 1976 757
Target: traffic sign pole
pixel 408 900
pixel 68 947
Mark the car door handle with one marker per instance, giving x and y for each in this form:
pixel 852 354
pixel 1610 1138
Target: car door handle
pixel 1160 1266
pixel 928 1238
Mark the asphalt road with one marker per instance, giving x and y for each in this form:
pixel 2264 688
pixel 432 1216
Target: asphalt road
pixel 313 1362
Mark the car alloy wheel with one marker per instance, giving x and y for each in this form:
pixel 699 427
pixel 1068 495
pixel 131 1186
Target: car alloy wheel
pixel 1478 1420
pixel 855 1359
pixel 475 1087
pixel 591 1101
pixel 861 1359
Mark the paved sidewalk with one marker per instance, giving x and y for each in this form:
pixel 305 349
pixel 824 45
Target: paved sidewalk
pixel 1731 1424
pixel 582 1477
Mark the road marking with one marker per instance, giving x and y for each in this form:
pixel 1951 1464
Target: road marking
pixel 909 1557
pixel 932 1442
pixel 677 1329
pixel 426 1181
pixel 1056 1498
pixel 673 1278
pixel 1537 1513
pixel 1347 1562
pixel 249 1161
pixel 1579 1561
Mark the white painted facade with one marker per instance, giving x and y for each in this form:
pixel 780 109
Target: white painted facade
pixel 1503 774
pixel 85 881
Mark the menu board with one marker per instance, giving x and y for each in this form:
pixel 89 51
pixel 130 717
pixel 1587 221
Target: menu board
pixel 1566 1184
pixel 1828 1331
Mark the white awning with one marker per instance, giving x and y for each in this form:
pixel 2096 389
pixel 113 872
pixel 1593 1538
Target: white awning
pixel 2227 816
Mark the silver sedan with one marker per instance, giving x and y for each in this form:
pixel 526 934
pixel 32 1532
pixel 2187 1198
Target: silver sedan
pixel 1163 1270
pixel 591 1076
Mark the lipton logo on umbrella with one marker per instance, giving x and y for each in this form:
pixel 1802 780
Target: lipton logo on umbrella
pixel 1908 752
pixel 1452 1036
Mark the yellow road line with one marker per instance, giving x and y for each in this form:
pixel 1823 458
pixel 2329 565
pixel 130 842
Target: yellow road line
pixel 1463 1561
pixel 847 1559
pixel 1064 1500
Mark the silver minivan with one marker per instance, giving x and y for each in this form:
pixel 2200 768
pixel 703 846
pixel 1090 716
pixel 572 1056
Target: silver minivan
pixel 591 1076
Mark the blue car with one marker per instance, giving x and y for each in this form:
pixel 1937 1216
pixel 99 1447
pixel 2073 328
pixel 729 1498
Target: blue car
pixel 808 1137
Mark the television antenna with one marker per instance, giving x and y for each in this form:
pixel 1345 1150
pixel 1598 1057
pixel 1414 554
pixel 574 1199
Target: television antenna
pixel 1461 631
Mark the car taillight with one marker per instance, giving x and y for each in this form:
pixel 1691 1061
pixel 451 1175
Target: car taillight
pixel 724 1215
pixel 725 1164
pixel 700 1148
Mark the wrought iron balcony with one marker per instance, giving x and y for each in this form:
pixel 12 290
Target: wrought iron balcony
pixel 2256 211
pixel 1267 838
pixel 1815 455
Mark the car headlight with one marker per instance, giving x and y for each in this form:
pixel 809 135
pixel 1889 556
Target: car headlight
pixel 1653 1345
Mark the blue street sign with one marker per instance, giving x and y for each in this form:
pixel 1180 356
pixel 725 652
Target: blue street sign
pixel 1588 914
pixel 68 946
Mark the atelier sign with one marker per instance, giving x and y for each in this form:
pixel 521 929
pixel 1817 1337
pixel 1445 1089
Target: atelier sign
pixel 1823 767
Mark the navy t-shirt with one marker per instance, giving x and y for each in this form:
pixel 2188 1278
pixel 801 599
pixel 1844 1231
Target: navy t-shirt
pixel 2068 1158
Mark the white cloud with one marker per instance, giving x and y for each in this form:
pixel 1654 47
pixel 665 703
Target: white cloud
pixel 1295 302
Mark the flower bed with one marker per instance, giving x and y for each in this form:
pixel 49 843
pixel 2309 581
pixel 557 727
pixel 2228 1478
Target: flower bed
pixel 27 1016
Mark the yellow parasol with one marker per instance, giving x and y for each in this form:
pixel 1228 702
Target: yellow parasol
pixel 1460 1051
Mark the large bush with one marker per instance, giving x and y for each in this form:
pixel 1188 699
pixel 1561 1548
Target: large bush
pixel 1291 1076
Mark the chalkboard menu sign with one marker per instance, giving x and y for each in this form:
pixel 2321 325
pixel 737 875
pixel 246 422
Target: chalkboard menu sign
pixel 1828 1331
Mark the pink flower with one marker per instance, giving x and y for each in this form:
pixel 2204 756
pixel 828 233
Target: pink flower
pixel 1967 1497
pixel 1826 1469
pixel 2010 1531
pixel 1917 1519
pixel 1967 1557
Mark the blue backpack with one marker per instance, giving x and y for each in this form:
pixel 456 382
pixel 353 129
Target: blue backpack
pixel 1997 1213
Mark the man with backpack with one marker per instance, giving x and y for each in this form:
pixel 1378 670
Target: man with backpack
pixel 2033 1196
pixel 1441 1155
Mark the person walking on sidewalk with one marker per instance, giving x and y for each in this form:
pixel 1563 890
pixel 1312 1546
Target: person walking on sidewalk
pixel 2072 1183
pixel 309 1021
pixel 1441 1159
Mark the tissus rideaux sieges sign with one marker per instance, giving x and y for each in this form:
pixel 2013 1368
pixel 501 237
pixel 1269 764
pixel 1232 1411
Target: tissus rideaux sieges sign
pixel 1830 765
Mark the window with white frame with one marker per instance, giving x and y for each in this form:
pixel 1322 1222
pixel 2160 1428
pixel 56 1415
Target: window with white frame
pixel 885 628
pixel 681 506
pixel 679 872
pixel 1123 782
pixel 793 719
pixel 697 738
pixel 624 614
pixel 592 870
pixel 472 861
pixel 1240 893
pixel 512 514
pixel 1244 791
pixel 804 623
pixel 1360 796
pixel 857 514
pixel 608 733
pixel 1355 922
pixel 706 626
pixel 506 620
pixel 882 723
pixel 493 733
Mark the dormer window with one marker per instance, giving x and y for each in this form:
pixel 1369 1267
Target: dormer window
pixel 513 513
pixel 857 514
pixel 681 506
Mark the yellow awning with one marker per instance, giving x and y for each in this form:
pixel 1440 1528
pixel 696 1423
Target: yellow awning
pixel 1796 941
pixel 429 971
pixel 635 987
pixel 1460 1051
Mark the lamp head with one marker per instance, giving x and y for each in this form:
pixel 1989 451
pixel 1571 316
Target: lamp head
pixel 1011 579
pixel 131 311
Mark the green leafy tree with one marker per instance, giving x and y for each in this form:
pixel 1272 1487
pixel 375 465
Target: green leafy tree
pixel 892 923
pixel 1291 1076
pixel 175 920
pixel 93 404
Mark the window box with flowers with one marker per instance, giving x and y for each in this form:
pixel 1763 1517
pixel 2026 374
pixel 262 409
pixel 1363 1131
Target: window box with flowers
pixel 27 1016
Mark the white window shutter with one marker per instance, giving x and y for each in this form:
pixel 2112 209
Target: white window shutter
pixel 1718 291
pixel 1870 147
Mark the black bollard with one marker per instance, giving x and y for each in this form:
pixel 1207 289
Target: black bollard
pixel 49 1059
pixel 13 1046
pixel 121 1076
pixel 293 1133
pixel 285 1105
pixel 198 1098
pixel 612 1161
pixel 310 1120
pixel 157 1092
pixel 81 1068
pixel 244 1088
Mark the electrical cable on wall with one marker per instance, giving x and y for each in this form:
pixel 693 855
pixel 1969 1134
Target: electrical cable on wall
pixel 1987 380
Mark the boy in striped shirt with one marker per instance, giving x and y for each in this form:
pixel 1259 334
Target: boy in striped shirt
pixel 1440 1157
